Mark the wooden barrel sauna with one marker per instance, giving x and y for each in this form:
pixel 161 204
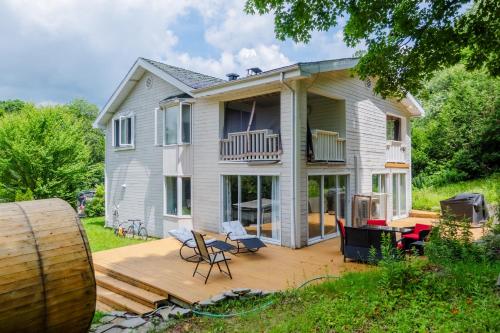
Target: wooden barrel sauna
pixel 47 281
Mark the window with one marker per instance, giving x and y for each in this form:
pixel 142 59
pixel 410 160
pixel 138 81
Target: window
pixel 393 128
pixel 171 115
pixel 171 192
pixel 123 131
pixel 178 190
pixel 178 124
pixel 186 123
pixel 378 183
pixel 255 202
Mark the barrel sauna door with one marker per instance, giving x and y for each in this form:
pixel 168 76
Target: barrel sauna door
pixel 47 281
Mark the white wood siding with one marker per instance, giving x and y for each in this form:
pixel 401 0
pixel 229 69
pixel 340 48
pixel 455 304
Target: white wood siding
pixel 139 169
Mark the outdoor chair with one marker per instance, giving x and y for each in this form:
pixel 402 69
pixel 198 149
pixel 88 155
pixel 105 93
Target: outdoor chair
pixel 419 233
pixel 244 242
pixel 185 237
pixel 213 258
pixel 381 223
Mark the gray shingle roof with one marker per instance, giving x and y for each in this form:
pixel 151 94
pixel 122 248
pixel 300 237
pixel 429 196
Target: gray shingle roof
pixel 189 78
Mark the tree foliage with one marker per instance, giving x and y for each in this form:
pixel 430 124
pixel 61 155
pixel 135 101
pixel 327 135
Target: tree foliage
pixel 44 153
pixel 406 41
pixel 459 136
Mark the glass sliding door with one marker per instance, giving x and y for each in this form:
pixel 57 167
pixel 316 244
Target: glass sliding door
pixel 314 207
pixel 269 207
pixel 248 204
pixel 330 211
pixel 399 195
pixel 327 205
pixel 255 202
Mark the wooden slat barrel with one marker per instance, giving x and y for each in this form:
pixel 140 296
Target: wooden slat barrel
pixel 47 281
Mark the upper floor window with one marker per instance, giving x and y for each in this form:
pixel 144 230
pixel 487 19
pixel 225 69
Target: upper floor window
pixel 178 124
pixel 393 128
pixel 123 131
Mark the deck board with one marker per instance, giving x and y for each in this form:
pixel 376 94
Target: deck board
pixel 157 263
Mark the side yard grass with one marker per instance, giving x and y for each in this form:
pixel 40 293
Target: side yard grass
pixel 101 238
pixel 455 298
pixel 428 198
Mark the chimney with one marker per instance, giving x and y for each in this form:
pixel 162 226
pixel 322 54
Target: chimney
pixel 232 76
pixel 253 71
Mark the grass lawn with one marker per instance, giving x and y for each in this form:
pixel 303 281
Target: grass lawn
pixel 428 198
pixel 457 298
pixel 101 238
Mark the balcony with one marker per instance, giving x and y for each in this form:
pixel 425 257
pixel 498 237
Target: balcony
pixel 256 145
pixel 327 146
pixel 395 152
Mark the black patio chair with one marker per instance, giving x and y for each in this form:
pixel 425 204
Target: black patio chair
pixel 210 258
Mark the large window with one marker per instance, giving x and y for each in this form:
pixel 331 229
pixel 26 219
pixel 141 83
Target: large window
pixel 327 205
pixel 393 128
pixel 178 124
pixel 178 191
pixel 399 195
pixel 123 131
pixel 255 202
pixel 378 183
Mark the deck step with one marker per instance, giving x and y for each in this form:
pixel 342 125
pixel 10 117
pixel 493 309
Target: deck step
pixel 130 280
pixel 127 290
pixel 424 214
pixel 120 302
pixel 100 306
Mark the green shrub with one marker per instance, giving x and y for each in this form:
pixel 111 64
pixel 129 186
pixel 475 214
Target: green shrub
pixel 24 196
pixel 95 207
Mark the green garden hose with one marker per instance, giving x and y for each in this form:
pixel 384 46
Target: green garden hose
pixel 258 308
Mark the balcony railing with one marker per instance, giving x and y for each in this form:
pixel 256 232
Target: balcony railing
pixel 252 145
pixel 395 152
pixel 328 146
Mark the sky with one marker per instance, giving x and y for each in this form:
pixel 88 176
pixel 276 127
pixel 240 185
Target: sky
pixel 53 51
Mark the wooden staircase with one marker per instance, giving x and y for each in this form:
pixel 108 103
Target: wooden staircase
pixel 120 292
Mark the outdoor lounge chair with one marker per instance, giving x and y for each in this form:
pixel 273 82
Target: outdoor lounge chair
pixel 210 258
pixel 419 233
pixel 381 223
pixel 244 242
pixel 185 236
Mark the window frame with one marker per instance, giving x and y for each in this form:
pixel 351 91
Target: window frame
pixel 117 131
pixel 400 130
pixel 178 196
pixel 381 183
pixel 179 125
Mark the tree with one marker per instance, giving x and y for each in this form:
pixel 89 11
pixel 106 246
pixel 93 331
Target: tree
pixel 406 40
pixel 10 106
pixel 459 136
pixel 43 154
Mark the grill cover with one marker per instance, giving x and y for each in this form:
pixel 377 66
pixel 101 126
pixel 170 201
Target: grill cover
pixel 471 206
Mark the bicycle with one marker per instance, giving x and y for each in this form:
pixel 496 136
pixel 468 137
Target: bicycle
pixel 138 229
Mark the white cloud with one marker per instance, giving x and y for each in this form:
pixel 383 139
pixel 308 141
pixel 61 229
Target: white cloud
pixel 57 50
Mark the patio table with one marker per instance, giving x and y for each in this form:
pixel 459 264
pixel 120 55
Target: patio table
pixel 387 228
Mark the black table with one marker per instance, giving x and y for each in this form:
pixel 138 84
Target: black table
pixel 223 246
pixel 387 228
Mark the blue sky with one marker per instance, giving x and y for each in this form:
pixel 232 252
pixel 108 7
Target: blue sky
pixel 53 51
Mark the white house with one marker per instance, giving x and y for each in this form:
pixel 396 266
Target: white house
pixel 284 151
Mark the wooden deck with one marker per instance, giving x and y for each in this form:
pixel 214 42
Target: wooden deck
pixel 157 268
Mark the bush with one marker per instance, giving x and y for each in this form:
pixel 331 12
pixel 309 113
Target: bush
pixel 95 207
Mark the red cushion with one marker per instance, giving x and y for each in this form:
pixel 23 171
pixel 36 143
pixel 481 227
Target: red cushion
pixel 411 236
pixel 400 246
pixel 342 230
pixel 421 227
pixel 376 222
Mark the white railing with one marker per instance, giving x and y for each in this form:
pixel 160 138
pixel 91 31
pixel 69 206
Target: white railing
pixel 395 152
pixel 252 145
pixel 328 146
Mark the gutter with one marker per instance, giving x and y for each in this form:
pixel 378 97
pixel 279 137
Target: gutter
pixel 294 168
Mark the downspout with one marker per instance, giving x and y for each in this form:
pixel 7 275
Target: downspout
pixel 294 168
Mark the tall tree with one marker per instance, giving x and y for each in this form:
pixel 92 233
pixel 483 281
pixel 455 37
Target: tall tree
pixel 43 154
pixel 459 136
pixel 406 40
